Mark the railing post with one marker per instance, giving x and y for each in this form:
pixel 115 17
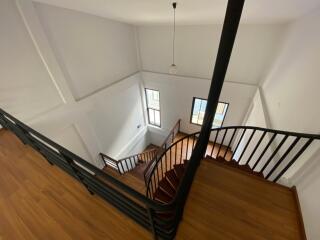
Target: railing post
pixel 229 31
pixel 75 170
pixel 153 230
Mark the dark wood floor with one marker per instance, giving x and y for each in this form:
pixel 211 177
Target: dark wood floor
pixel 39 201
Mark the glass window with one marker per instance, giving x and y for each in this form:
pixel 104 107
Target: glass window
pixel 153 107
pixel 199 107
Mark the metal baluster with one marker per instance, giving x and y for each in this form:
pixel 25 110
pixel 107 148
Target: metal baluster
pixel 233 134
pixel 214 143
pixel 224 135
pixel 256 147
pixel 235 150
pixel 297 139
pixel 274 153
pixel 245 148
pixel 294 159
pixel 264 151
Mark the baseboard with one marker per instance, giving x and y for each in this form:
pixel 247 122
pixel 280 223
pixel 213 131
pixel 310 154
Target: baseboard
pixel 303 232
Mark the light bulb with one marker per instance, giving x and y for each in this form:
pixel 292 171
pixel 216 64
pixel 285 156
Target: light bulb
pixel 173 69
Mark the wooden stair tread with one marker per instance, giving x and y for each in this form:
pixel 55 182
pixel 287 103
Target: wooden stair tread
pixel 172 178
pixel 162 196
pixel 234 164
pixel 167 187
pixel 179 170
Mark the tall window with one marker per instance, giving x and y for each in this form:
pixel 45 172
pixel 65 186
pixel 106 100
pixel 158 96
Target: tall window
pixel 153 107
pixel 199 108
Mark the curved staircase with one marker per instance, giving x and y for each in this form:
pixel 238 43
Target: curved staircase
pixel 168 186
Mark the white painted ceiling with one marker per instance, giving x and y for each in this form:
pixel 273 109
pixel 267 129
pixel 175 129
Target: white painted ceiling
pixel 188 11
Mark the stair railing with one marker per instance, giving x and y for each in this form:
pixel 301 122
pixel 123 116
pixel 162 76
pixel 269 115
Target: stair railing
pixel 268 152
pixel 163 147
pixel 129 163
pixel 135 205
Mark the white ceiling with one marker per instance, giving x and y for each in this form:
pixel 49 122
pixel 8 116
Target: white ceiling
pixel 189 11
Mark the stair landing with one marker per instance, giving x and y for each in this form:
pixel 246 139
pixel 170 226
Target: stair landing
pixel 228 204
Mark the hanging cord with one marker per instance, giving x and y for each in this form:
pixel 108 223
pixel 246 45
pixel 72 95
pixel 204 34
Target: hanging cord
pixel 174 30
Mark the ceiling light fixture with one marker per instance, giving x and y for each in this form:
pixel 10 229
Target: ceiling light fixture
pixel 173 68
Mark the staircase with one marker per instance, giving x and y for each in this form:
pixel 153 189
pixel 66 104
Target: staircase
pixel 137 162
pixel 168 186
pixel 259 152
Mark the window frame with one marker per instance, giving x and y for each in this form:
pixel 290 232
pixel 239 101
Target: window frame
pixel 159 110
pixel 193 101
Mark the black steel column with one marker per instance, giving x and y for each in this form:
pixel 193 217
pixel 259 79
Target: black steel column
pixel 228 35
pixel 229 31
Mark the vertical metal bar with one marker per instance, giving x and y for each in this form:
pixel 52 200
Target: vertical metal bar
pixel 228 35
pixel 75 170
pixel 224 135
pixel 170 164
pixel 233 134
pixel 245 148
pixel 214 143
pixel 264 151
pixel 235 150
pixel 162 172
pixel 175 158
pixel 297 139
pixel 181 150
pixel 152 227
pixel 274 153
pixel 294 159
pixel 126 165
pixel 165 156
pixel 256 147
pixel 187 147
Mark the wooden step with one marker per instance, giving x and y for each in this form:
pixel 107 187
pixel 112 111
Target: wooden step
pixel 179 170
pixel 172 178
pixel 162 196
pixel 233 163
pixel 167 187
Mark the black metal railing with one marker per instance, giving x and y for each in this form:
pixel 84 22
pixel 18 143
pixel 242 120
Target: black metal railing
pixel 129 163
pixel 266 151
pixel 161 220
pixel 163 147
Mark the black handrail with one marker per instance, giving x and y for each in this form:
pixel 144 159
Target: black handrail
pixel 143 210
pixel 128 163
pixel 163 147
pixel 251 153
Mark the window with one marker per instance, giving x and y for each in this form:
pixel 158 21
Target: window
pixel 199 108
pixel 153 107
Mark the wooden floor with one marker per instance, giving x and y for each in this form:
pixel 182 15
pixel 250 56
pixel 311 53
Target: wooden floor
pixel 39 201
pixel 227 204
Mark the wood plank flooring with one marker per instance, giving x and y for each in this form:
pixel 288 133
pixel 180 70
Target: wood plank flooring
pixel 228 204
pixel 39 201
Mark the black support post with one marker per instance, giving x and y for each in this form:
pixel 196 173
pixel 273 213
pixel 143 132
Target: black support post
pixel 229 32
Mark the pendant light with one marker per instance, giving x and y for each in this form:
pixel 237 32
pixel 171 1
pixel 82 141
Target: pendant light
pixel 173 68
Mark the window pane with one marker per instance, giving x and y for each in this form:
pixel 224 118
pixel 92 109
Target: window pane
pixel 151 116
pixel 153 99
pixel 157 118
pixel 153 106
pixel 199 108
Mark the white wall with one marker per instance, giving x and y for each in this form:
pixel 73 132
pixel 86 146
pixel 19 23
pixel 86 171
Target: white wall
pixel 26 89
pixel 291 93
pixel 196 49
pixel 176 96
pixel 92 51
pixel 31 56
pixel 116 115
